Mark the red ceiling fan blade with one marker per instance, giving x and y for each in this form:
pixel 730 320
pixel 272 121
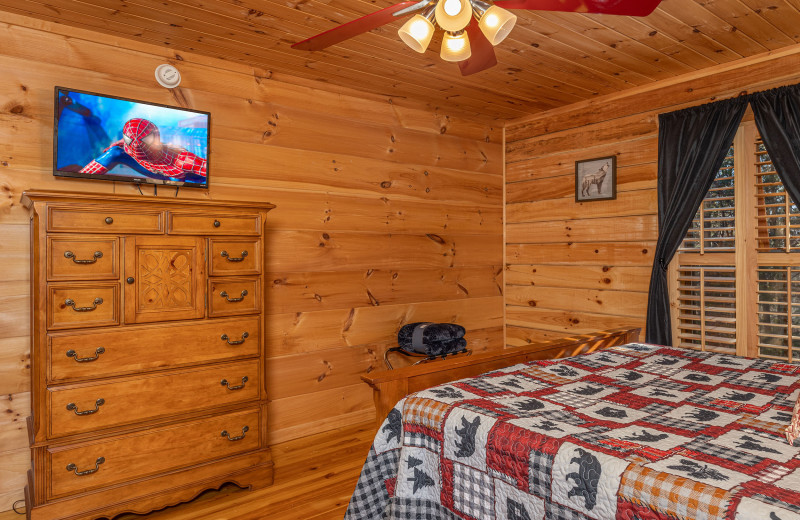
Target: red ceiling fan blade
pixel 352 28
pixel 482 56
pixel 621 7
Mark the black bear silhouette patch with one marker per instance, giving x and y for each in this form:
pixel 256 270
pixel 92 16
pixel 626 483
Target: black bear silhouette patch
pixel 769 378
pixel 700 378
pixel 466 446
pixel 738 396
pixel 701 415
pixel 612 413
pixel 530 405
pixel 587 478
pixel 394 425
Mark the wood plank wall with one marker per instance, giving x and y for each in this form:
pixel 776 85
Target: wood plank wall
pixel 579 267
pixel 385 215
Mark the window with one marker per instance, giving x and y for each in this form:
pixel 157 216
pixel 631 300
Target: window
pixel 735 281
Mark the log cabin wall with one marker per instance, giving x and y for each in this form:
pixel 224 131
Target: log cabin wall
pixel 574 267
pixel 386 214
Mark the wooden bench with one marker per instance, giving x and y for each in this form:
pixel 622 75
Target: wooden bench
pixel 389 386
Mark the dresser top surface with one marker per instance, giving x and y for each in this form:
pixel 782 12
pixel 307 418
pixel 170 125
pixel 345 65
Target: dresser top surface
pixel 33 196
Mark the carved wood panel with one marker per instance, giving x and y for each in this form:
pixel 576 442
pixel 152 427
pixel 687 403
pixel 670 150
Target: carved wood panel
pixel 162 278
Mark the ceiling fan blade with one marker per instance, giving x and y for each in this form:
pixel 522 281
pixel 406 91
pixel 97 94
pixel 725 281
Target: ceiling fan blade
pixel 352 28
pixel 621 7
pixel 482 57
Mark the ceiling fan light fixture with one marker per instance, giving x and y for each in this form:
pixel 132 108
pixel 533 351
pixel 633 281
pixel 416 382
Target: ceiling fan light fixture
pixel 496 23
pixel 455 46
pixel 453 15
pixel 417 32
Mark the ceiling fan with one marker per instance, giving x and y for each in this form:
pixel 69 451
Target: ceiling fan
pixel 471 27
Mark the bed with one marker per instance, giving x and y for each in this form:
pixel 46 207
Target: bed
pixel 634 432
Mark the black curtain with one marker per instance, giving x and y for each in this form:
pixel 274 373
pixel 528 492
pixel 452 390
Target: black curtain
pixel 777 114
pixel 692 144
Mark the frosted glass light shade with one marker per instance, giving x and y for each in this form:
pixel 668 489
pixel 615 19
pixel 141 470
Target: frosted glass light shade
pixel 417 33
pixel 453 15
pixel 455 47
pixel 496 23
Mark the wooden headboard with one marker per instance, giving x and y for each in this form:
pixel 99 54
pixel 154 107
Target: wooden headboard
pixel 389 386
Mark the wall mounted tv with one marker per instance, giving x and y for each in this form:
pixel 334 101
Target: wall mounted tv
pixel 111 138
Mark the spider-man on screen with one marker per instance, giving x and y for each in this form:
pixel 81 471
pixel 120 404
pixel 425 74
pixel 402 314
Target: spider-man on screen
pixel 117 139
pixel 142 150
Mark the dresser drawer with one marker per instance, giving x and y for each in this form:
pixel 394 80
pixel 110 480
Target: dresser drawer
pixel 110 219
pixel 73 305
pixel 128 457
pixel 212 224
pixel 119 351
pixel 234 257
pixel 82 258
pixel 134 399
pixel 229 296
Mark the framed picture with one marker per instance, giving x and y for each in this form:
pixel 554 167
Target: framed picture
pixel 596 179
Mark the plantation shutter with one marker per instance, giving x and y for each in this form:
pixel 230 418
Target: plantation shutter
pixel 778 235
pixel 735 282
pixel 704 271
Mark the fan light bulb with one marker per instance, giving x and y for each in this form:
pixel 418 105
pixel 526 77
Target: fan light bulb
pixel 455 46
pixel 417 33
pixel 453 15
pixel 452 7
pixel 496 23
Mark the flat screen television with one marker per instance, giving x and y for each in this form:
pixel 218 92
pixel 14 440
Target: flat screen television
pixel 117 139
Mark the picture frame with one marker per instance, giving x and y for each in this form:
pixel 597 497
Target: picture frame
pixel 596 179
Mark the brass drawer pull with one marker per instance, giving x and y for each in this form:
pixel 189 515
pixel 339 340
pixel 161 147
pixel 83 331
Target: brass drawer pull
pixel 73 467
pixel 238 437
pixel 224 254
pixel 109 220
pixel 224 294
pixel 71 353
pixel 97 404
pixel 69 302
pixel 245 335
pixel 224 382
pixel 70 254
pixel 217 223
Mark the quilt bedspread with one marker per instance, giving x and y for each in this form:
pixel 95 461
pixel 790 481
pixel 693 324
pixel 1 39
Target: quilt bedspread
pixel 637 432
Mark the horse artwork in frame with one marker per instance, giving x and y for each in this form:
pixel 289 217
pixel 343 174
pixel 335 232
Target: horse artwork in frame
pixel 596 179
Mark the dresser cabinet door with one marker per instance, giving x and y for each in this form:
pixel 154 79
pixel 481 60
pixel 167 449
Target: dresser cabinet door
pixel 163 279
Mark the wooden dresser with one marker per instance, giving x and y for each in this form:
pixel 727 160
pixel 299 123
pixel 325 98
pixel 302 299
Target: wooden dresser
pixel 147 355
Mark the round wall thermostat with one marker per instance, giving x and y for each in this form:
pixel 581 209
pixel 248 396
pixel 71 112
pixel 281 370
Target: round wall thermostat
pixel 168 76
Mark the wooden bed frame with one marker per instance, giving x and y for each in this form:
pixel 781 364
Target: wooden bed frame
pixel 389 386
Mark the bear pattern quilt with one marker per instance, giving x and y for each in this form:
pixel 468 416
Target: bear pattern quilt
pixel 637 432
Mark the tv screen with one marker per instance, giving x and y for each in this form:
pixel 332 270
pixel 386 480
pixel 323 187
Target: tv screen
pixel 117 139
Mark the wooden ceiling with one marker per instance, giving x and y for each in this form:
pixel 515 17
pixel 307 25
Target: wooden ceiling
pixel 550 59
